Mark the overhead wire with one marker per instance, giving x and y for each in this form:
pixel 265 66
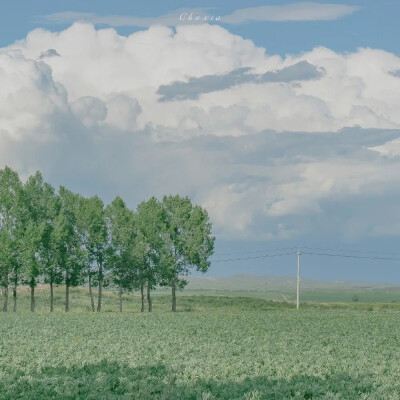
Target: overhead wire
pixel 257 251
pixel 377 257
pixel 254 258
pixel 351 256
pixel 351 251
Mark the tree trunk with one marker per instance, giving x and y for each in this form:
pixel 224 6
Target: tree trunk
pixel 51 297
pixel 149 298
pixel 15 297
pixel 120 298
pixel 5 304
pixel 67 292
pixel 32 285
pixel 100 288
pixel 67 297
pixel 173 285
pixel 142 296
pixel 91 292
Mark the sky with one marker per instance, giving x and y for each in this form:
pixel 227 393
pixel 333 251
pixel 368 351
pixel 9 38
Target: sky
pixel 281 119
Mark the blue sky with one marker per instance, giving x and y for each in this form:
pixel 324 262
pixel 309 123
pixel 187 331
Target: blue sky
pixel 281 119
pixel 375 24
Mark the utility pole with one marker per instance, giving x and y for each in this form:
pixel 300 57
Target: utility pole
pixel 298 278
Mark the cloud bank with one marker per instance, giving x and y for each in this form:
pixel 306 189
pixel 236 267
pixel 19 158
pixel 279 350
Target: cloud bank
pixel 307 11
pixel 274 147
pixel 171 19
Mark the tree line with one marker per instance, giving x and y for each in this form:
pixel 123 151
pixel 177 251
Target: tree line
pixel 61 237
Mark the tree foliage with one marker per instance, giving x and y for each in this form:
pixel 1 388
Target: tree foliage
pixel 54 237
pixel 190 240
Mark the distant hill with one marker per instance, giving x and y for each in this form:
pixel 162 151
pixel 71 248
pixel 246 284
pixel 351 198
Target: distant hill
pixel 247 282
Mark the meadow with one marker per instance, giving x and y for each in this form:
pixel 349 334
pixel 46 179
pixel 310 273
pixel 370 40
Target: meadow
pixel 214 347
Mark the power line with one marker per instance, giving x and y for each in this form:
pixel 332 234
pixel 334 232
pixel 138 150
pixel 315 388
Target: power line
pixel 351 256
pixel 308 253
pixel 377 257
pixel 254 258
pixel 351 251
pixel 257 251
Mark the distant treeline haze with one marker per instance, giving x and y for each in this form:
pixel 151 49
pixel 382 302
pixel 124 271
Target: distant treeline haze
pixel 60 237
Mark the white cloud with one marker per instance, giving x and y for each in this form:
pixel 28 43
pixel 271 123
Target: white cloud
pixel 307 11
pixel 90 110
pixel 355 89
pixel 173 18
pixel 29 95
pixel 87 113
pixel 122 112
pixel 391 148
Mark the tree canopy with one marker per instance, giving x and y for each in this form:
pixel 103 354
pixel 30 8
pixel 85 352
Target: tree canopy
pixel 60 237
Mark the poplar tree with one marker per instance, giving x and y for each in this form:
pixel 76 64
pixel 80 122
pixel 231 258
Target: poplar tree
pixel 12 225
pixel 139 263
pixel 49 257
pixel 153 240
pixel 36 252
pixel 93 231
pixel 67 242
pixel 190 241
pixel 121 237
pixel 6 264
pixel 30 257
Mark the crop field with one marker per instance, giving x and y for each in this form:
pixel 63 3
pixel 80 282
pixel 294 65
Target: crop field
pixel 219 352
pixel 209 300
pixel 320 295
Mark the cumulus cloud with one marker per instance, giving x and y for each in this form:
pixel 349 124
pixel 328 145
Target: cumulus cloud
pixel 49 53
pixel 273 147
pixel 390 148
pixel 122 112
pixel 316 91
pixel 395 73
pixel 29 95
pixel 90 110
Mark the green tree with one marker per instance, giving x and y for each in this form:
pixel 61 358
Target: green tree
pixel 12 226
pixel 16 272
pixel 140 264
pixel 49 257
pixel 121 234
pixel 152 245
pixel 6 264
pixel 70 257
pixel 37 253
pixel 190 240
pixel 30 257
pixel 83 218
pixel 93 230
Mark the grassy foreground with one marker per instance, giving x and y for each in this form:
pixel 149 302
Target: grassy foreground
pixel 228 348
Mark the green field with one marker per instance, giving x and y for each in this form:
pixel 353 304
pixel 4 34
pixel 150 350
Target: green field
pixel 216 347
pixel 284 289
pixel 208 300
pixel 321 295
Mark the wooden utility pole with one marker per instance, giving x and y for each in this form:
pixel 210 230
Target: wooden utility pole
pixel 298 278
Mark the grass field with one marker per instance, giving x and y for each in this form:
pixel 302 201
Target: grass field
pixel 284 289
pixel 208 300
pixel 216 347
